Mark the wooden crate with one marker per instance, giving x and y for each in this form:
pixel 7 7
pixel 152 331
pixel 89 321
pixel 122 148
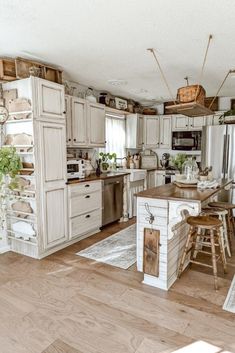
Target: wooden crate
pixel 7 70
pixel 52 74
pixel 192 93
pixel 23 66
pixel 47 72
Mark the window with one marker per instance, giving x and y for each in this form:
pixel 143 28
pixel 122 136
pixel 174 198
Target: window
pixel 116 135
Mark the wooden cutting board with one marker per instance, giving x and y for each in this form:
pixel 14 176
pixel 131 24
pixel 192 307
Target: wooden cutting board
pixel 182 185
pixel 151 252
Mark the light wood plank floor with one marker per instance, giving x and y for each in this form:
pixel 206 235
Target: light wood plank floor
pixel 96 308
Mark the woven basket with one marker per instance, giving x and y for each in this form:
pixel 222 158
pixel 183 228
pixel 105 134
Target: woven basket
pixel 190 94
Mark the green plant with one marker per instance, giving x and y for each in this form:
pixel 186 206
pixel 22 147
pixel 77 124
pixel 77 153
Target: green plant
pixel 179 160
pixel 10 164
pixel 106 158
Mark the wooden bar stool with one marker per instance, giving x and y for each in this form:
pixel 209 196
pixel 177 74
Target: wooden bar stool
pixel 211 239
pixel 221 213
pixel 230 219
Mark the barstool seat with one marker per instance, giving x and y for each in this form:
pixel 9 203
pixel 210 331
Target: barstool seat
pixel 206 222
pixel 225 205
pixel 208 228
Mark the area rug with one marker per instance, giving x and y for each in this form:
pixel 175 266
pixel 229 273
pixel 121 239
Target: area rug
pixel 117 250
pixel 59 346
pixel 229 304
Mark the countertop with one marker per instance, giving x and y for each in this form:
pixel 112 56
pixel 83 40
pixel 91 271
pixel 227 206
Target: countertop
pixel 93 177
pixel 173 192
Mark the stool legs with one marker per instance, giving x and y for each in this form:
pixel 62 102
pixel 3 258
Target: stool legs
pixel 225 235
pixel 222 255
pixel 213 256
pixel 186 248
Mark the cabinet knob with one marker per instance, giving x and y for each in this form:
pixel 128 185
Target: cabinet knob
pixel 191 125
pixel 161 143
pixel 87 216
pixel 74 139
pixel 186 125
pixel 87 186
pixel 69 139
pixel 64 112
pixel 87 196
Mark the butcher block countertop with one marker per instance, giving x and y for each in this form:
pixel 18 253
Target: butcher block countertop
pixel 173 192
pixel 93 177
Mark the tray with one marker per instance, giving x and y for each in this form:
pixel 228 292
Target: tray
pixel 180 185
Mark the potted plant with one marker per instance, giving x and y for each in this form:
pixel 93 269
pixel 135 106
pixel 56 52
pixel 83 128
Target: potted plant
pixel 10 165
pixel 106 159
pixel 179 160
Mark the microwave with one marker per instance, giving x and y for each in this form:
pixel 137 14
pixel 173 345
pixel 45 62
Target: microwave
pixel 75 168
pixel 186 140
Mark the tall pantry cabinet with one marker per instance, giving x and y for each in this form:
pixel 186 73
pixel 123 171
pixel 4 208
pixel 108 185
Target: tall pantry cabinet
pixel 45 201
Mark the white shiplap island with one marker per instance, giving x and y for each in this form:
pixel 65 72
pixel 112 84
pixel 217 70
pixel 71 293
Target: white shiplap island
pixel 170 206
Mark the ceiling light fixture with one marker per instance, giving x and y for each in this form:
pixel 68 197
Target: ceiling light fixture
pixel 116 82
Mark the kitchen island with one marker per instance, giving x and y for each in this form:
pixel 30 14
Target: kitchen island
pixel 165 209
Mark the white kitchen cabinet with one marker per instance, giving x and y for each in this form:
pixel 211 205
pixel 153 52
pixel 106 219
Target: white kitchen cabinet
pixel 79 122
pixel 53 199
pixel 185 123
pixel 85 123
pixel 151 131
pixel 96 124
pixel 180 123
pixel 197 123
pixel 50 100
pixel 151 179
pixel 68 121
pixel 159 178
pixel 165 132
pixel 85 208
pixel 134 131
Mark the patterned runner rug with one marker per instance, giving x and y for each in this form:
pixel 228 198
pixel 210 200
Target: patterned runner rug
pixel 229 304
pixel 117 250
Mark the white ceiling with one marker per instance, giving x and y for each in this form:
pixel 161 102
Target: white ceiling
pixel 94 41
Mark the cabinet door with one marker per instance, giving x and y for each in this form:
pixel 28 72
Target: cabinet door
pixel 151 180
pixel 197 123
pixel 165 132
pixel 79 124
pixel 159 179
pixel 68 121
pixel 180 122
pixel 140 131
pixel 53 177
pixel 50 100
pixel 96 121
pixel 151 131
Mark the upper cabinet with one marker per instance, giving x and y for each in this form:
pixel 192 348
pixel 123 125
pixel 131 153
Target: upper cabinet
pixel 79 122
pixel 180 123
pixel 151 132
pixel 185 123
pixel 165 131
pixel 134 131
pixel 96 124
pixel 85 123
pixel 50 99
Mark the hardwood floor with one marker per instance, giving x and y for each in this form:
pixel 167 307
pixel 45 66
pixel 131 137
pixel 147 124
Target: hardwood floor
pixel 95 308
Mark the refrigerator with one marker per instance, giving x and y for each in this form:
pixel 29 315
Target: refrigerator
pixel 218 151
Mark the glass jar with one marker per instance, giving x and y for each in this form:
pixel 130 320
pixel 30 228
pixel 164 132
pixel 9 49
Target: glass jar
pixel 190 169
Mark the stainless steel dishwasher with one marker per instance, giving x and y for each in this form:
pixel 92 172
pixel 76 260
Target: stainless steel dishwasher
pixel 112 199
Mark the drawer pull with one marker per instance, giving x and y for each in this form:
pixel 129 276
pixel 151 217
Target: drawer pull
pixel 87 196
pixel 87 216
pixel 87 186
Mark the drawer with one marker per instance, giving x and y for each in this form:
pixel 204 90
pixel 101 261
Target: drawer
pixel 85 223
pixel 80 204
pixel 84 188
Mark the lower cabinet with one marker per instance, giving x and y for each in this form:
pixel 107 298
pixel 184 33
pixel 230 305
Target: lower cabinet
pixel 85 208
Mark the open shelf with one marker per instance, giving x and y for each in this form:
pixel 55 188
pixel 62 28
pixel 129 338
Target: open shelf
pixel 22 112
pixel 19 121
